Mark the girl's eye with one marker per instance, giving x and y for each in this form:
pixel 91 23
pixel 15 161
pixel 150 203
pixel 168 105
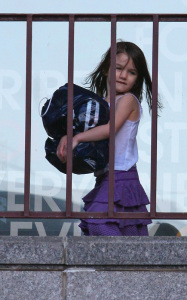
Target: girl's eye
pixel 118 68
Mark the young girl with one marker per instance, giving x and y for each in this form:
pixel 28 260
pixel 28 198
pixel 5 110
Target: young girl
pixel 129 195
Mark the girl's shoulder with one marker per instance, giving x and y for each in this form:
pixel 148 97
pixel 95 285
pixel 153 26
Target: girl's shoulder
pixel 129 102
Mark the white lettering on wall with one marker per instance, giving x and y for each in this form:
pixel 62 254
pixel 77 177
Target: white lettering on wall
pixel 50 80
pixel 15 226
pixel 172 95
pixel 15 188
pixel 166 50
pixel 65 228
pixel 42 194
pixel 8 93
pixel 176 130
pixel 40 228
pixel 181 195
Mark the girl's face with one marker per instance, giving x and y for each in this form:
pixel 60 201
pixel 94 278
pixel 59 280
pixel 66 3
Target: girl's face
pixel 126 74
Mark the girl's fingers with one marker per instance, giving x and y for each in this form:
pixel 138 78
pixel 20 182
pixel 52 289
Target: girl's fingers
pixel 62 152
pixel 62 148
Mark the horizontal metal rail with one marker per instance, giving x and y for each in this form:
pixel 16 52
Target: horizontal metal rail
pixel 95 17
pixel 77 215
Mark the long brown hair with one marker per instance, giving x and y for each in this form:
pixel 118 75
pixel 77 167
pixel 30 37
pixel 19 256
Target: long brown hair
pixel 97 80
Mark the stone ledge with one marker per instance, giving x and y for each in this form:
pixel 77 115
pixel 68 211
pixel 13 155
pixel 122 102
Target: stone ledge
pixel 31 250
pixel 98 251
pixel 126 251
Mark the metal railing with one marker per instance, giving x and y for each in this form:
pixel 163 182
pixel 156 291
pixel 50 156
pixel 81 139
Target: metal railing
pixel 113 19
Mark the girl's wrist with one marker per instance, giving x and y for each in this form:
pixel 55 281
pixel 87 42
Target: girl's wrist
pixel 76 138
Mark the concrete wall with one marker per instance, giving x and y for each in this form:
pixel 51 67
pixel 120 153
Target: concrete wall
pixel 93 268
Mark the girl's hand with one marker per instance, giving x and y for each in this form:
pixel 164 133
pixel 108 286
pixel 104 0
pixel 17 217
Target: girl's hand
pixel 62 148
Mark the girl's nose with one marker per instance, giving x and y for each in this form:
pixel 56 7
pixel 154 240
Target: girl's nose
pixel 123 74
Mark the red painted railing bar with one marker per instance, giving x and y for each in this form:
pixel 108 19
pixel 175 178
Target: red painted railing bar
pixel 70 117
pixel 95 17
pixel 112 117
pixel 154 115
pixel 119 215
pixel 78 215
pixel 75 215
pixel 28 116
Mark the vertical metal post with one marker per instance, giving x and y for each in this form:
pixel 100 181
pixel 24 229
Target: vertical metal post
pixel 154 115
pixel 28 116
pixel 70 117
pixel 112 116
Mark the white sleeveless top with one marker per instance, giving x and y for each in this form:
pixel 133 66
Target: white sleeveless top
pixel 126 150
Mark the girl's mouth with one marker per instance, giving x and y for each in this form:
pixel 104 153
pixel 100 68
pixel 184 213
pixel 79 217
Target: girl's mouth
pixel 121 82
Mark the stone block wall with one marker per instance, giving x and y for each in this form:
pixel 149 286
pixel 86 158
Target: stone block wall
pixel 100 268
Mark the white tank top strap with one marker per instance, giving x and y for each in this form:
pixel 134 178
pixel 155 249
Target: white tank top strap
pixel 128 94
pixel 120 97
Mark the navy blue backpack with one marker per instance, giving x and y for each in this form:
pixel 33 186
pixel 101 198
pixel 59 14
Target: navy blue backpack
pixel 89 110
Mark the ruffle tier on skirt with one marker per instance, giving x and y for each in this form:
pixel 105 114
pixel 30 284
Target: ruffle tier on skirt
pixel 129 196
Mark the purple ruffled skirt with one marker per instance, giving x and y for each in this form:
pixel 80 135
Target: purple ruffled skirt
pixel 129 196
